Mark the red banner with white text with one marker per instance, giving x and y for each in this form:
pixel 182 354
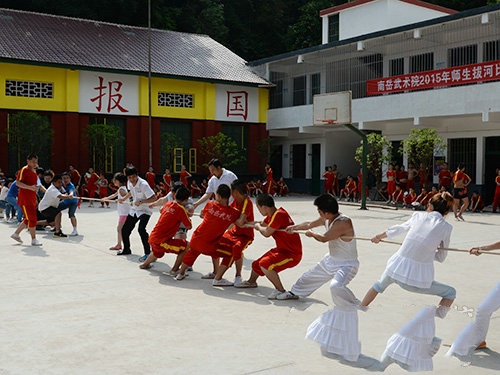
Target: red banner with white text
pixel 458 75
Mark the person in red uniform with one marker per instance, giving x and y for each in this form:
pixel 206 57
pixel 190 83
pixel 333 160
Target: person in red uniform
pixel 391 182
pixel 402 178
pixel 496 198
pixel 476 203
pixel 329 178
pixel 27 182
pixel 410 197
pixel 398 195
pixel 236 239
pixel 423 176
pixel 412 173
pixel 336 175
pixel 269 184
pixel 204 186
pixel 360 185
pixel 167 181
pixel 195 189
pixel 103 183
pixel 349 191
pixel 74 176
pixel 282 187
pixel 286 254
pixel 445 177
pixel 162 238
pixel 217 217
pixel 184 175
pixel 460 197
pixel 90 179
pixel 151 178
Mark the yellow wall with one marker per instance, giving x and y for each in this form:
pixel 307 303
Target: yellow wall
pixel 263 104
pixel 65 88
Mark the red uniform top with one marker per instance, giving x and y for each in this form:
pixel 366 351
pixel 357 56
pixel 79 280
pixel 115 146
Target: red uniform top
pixel 29 177
pixel 289 241
pixel 428 197
pixel 402 176
pixel 391 174
pixel 444 177
pixel 497 183
pixel 422 175
pixel 329 178
pixel 172 215
pixel 351 186
pixel 246 207
pixel 151 179
pixel 216 219
pixel 398 195
pixel 410 197
pixel 75 177
pixel 91 181
pixel 458 176
pixel 184 177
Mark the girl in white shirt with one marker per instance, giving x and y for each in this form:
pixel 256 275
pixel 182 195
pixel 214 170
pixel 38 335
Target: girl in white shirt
pixel 120 181
pixel 412 266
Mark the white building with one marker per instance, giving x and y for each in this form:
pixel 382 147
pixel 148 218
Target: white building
pixel 407 63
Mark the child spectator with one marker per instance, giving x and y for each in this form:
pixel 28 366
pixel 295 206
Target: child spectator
pixel 329 178
pixel 476 203
pixel 195 189
pixel 398 195
pixel 102 184
pixel 286 254
pixel 151 178
pixel 184 175
pixel 282 187
pixel 123 208
pixel 410 197
pixel 349 191
pixel 167 181
pixel 90 180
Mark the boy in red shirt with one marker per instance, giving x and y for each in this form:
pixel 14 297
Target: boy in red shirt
pixel 162 238
pixel 237 239
pixel 286 254
pixel 27 181
pixel 217 216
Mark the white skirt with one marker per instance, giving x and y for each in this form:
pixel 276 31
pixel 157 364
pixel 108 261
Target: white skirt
pixel 411 345
pixel 336 331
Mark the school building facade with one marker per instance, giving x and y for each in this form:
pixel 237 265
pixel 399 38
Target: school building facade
pixel 78 72
pixel 408 64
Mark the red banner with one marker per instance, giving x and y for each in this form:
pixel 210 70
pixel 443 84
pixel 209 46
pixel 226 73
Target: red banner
pixel 459 75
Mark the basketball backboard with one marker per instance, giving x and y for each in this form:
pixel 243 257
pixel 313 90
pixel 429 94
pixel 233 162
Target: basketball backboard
pixel 332 108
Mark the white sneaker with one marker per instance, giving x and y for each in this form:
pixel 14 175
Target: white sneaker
pixel 237 281
pixel 209 275
pixel 16 237
pixel 286 295
pixel 35 242
pixel 74 233
pixel 180 277
pixel 222 282
pixel 274 294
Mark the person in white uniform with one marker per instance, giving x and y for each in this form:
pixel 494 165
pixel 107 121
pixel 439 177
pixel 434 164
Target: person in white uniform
pixel 337 329
pixel 412 266
pixel 474 334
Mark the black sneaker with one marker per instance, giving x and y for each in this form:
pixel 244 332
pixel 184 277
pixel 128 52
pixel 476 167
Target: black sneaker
pixel 59 234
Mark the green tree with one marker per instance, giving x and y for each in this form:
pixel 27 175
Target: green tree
pixel 378 153
pixel 103 139
pixel 421 145
pixel 28 132
pixel 222 147
pixel 169 142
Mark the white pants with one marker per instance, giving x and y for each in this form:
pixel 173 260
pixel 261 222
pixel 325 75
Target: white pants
pixel 475 333
pixel 328 269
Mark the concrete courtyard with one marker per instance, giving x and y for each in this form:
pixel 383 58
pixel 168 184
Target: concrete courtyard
pixel 74 307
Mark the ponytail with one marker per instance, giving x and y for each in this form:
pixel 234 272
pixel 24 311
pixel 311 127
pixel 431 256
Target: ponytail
pixel 442 202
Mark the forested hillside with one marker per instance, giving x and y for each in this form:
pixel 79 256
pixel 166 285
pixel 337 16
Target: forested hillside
pixel 251 28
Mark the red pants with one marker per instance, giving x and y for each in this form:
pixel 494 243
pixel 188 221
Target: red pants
pixel 276 260
pixel 231 248
pixel 173 246
pixel 30 216
pixel 496 199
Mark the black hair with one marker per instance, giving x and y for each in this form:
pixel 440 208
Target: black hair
pixel 224 191
pixel 215 162
pixel 182 193
pixel 177 185
pixel 32 156
pixel 327 203
pixel 265 200
pixel 40 171
pixel 442 202
pixel 239 186
pixel 120 177
pixel 56 178
pixel 130 171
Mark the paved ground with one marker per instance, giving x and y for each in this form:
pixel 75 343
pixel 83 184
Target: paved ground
pixel 73 307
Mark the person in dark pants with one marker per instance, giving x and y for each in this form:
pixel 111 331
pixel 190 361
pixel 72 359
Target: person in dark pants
pixel 142 195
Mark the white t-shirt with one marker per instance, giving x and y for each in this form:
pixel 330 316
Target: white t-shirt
pixel 226 178
pixel 140 192
pixel 123 208
pixel 50 198
pixel 3 193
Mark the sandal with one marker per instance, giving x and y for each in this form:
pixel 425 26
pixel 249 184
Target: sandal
pixel 116 247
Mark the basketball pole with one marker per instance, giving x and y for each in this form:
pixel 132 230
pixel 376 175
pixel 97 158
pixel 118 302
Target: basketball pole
pixel 363 163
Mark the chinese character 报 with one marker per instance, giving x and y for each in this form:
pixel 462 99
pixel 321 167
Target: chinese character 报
pixel 109 93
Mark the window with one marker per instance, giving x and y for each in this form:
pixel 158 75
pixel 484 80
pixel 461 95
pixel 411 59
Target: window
pixel 29 89
pixel 463 150
pixel 315 85
pixel 491 50
pixel 276 93
pixel 396 67
pixel 333 28
pixel 462 55
pixel 299 90
pixel 422 63
pixel 172 99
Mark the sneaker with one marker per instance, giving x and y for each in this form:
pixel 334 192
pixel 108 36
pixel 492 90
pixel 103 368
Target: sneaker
pixel 237 281
pixel 172 273
pixel 35 242
pixel 143 258
pixel 482 345
pixel 275 294
pixel 124 252
pixel 189 269
pixel 16 237
pixel 287 295
pixel 246 284
pixel 222 282
pixel 461 217
pixel 180 277
pixel 74 233
pixel 60 234
pixel 209 275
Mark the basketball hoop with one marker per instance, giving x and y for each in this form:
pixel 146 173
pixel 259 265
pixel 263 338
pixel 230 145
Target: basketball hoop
pixel 326 121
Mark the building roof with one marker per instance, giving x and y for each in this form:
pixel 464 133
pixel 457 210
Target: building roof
pixel 420 3
pixel 35 38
